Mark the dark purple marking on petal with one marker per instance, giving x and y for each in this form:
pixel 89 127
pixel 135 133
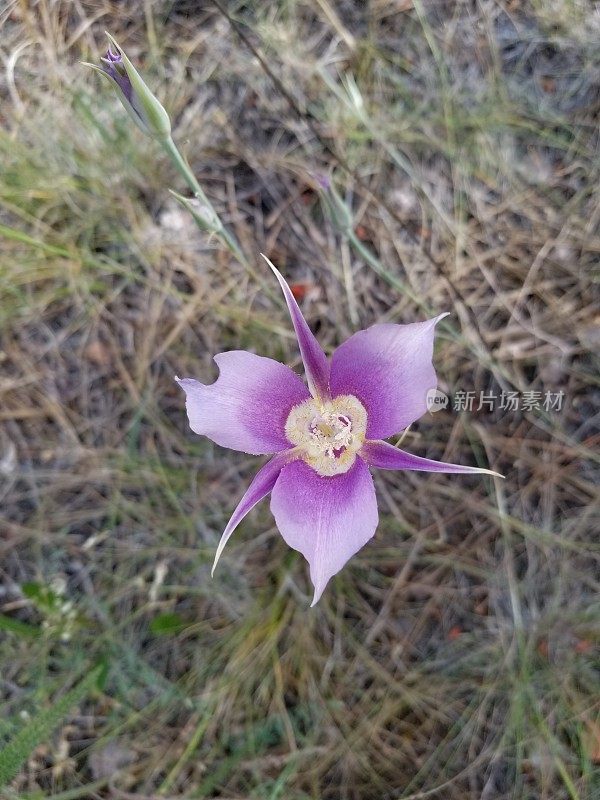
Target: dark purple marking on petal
pixel 386 456
pixel 328 519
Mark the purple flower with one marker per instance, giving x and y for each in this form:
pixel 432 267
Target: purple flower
pixel 325 438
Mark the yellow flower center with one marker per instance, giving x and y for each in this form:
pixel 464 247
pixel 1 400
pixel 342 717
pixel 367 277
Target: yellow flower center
pixel 329 434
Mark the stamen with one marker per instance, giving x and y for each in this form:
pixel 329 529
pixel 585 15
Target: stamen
pixel 330 434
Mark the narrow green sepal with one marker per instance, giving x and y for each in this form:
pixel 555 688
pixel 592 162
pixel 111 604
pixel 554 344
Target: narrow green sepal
pixel 205 217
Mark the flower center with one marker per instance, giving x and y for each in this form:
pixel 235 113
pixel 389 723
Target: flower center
pixel 329 434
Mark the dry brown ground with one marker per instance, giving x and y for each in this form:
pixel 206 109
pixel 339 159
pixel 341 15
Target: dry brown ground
pixel 456 656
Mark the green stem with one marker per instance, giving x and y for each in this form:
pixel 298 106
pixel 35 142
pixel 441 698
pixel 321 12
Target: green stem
pixel 380 269
pixel 401 286
pixel 171 150
pixel 184 170
pixel 398 284
pixel 232 244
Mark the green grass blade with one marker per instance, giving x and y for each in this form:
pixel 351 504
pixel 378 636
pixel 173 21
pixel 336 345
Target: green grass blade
pixel 41 726
pixel 22 629
pixel 20 236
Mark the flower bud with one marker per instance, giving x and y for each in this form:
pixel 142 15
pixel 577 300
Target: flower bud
pixel 137 99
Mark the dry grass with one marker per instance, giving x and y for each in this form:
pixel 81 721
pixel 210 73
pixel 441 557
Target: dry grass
pixel 456 657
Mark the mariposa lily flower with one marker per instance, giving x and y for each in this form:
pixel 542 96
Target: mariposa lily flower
pixel 137 99
pixel 325 438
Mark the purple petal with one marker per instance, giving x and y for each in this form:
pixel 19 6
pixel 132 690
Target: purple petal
pixel 388 368
pixel 327 519
pixel 115 70
pixel 263 482
pixel 386 456
pixel 116 58
pixel 247 407
pixel 315 360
